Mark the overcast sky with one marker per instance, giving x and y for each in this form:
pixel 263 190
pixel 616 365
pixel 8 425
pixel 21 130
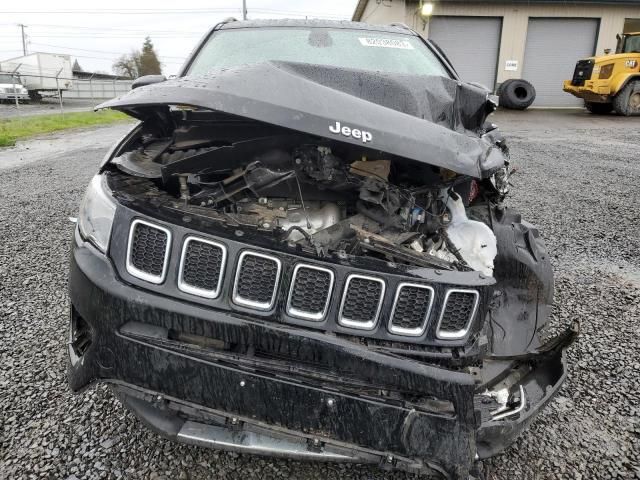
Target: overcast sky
pixel 97 35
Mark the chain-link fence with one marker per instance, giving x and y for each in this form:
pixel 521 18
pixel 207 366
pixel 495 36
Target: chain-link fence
pixel 98 88
pixel 20 88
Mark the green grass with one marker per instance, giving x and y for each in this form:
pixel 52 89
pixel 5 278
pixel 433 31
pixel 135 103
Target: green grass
pixel 18 128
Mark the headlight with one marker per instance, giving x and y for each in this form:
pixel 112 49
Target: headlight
pixel 606 71
pixel 96 213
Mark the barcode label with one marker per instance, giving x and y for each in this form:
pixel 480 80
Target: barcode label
pixel 386 43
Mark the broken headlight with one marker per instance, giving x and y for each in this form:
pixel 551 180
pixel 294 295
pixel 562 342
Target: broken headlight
pixel 500 180
pixel 96 213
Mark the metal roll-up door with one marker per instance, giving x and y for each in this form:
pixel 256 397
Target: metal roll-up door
pixel 554 45
pixel 471 43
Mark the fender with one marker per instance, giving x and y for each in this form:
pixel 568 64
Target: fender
pixel 621 80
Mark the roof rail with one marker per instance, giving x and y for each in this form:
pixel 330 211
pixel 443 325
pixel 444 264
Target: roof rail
pixel 229 20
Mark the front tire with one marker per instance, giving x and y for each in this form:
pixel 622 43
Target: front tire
pixel 35 96
pixel 598 108
pixel 627 101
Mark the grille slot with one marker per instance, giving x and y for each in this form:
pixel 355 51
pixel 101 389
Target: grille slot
pixel 310 292
pixel 148 251
pixel 361 302
pixel 202 267
pixel 256 282
pixel 457 313
pixel 411 309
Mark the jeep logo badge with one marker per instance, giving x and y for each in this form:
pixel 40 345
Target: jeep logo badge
pixel 351 132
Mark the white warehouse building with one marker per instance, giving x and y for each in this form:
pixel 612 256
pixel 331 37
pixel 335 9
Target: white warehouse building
pixel 490 42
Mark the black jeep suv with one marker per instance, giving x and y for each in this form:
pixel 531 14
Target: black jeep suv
pixel 302 250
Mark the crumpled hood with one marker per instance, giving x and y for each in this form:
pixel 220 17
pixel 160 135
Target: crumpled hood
pixel 430 119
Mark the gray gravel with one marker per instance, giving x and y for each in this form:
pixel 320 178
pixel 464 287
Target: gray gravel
pixel 578 180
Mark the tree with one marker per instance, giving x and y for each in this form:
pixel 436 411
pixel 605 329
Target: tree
pixel 128 65
pixel 139 63
pixel 149 63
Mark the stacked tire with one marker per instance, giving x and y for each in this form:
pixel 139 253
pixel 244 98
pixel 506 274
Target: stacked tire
pixel 516 94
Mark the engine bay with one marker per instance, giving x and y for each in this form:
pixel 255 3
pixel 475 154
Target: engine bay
pixel 318 193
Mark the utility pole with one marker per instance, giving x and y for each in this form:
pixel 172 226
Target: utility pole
pixel 244 9
pixel 24 39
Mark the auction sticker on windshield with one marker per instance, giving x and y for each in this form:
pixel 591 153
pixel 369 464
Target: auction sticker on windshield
pixel 386 42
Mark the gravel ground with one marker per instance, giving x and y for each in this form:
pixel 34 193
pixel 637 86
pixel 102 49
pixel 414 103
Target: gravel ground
pixel 577 180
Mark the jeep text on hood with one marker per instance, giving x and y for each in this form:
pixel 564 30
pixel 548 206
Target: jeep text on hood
pixel 316 261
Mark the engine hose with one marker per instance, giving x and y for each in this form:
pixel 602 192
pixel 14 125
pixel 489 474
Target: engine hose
pixel 297 229
pixel 451 247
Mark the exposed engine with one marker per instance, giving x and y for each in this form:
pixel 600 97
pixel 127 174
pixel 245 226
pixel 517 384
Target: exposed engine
pixel 325 196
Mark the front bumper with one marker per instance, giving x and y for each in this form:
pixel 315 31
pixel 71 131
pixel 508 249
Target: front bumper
pixel 13 96
pixel 296 393
pixel 597 91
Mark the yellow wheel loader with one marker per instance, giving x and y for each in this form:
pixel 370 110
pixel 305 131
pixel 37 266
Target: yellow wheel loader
pixel 611 81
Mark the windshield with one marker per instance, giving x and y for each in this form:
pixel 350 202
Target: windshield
pixel 632 44
pixel 4 78
pixel 358 49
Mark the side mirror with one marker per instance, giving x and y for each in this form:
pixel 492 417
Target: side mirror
pixel 147 80
pixel 607 51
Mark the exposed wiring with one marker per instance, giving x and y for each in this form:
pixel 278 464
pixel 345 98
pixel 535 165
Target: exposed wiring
pixel 306 214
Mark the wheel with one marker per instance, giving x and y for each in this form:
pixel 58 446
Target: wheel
pixel 627 101
pixel 598 108
pixel 516 94
pixel 34 95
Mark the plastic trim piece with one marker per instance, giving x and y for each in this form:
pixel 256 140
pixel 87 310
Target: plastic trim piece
pixel 350 323
pixel 259 443
pixel 313 316
pixel 200 292
pixel 411 332
pixel 141 274
pixel 458 334
pixel 247 302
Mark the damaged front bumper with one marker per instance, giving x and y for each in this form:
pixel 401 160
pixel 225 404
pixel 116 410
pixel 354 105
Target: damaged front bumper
pixel 597 91
pixel 298 393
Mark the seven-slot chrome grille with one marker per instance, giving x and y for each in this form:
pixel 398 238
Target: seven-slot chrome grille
pixel 202 267
pixel 148 251
pixel 310 291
